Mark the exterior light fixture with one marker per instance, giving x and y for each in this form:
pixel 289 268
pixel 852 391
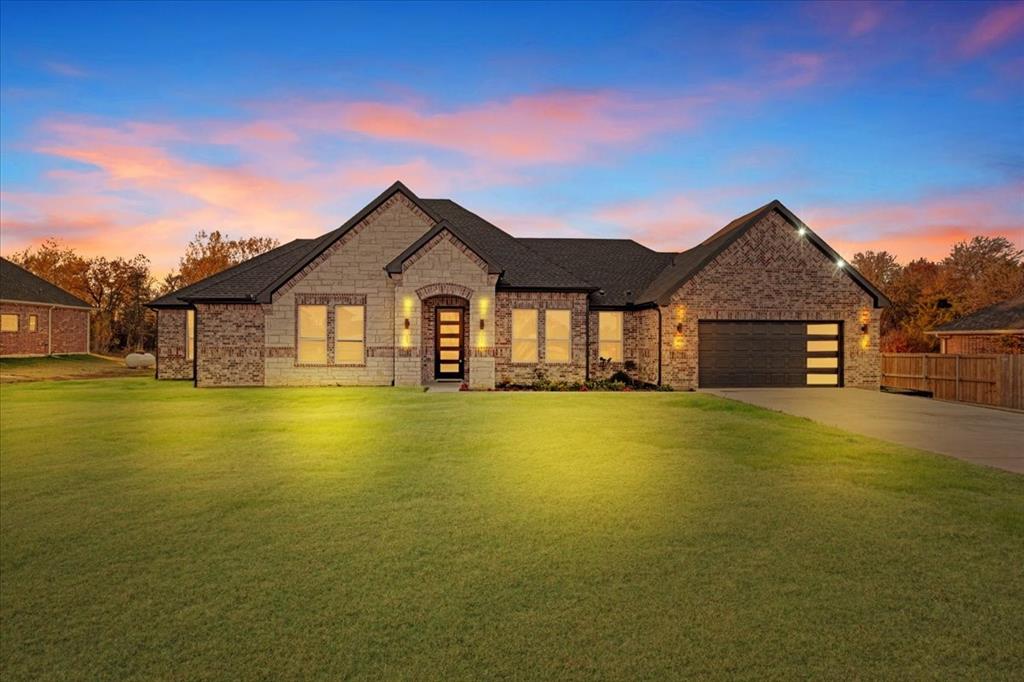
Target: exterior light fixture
pixel 864 329
pixel 679 328
pixel 802 231
pixel 407 323
pixel 481 324
pixel 840 263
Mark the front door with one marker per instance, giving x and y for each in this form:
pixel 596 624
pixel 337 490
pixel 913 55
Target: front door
pixel 448 350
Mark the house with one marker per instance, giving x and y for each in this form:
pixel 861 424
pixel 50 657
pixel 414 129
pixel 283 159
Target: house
pixel 39 318
pixel 998 328
pixel 410 291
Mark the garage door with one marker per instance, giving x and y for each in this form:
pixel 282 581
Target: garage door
pixel 739 353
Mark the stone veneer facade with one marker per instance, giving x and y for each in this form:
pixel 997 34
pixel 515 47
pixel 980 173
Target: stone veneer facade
pixel 769 273
pixel 59 330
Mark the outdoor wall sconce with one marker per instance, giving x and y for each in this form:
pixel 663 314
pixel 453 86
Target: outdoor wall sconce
pixel 863 329
pixel 802 231
pixel 407 323
pixel 679 328
pixel 481 324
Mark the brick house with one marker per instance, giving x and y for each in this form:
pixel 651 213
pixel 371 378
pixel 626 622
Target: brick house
pixel 998 328
pixel 410 291
pixel 39 318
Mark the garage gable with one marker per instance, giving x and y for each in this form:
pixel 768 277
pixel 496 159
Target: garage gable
pixel 773 265
pixel 778 233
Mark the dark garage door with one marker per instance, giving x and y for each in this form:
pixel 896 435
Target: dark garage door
pixel 740 353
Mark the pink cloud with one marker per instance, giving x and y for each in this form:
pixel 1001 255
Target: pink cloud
pixel 997 26
pixel 530 129
pixel 925 227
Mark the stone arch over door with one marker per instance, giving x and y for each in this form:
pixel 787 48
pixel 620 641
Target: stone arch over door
pixel 445 289
pixel 428 308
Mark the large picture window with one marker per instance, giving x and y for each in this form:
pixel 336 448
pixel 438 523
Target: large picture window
pixel 524 335
pixel 312 332
pixel 557 336
pixel 9 323
pixel 349 345
pixel 190 334
pixel 609 336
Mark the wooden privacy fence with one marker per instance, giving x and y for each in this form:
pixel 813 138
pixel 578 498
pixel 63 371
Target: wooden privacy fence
pixel 983 379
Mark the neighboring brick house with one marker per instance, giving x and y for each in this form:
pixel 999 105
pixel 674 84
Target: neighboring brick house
pixel 410 291
pixel 39 318
pixel 998 328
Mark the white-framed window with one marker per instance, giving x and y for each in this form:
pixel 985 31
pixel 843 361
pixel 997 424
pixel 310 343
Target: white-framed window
pixel 349 335
pixel 8 322
pixel 33 323
pixel 190 334
pixel 312 334
pixel 609 335
pixel 557 336
pixel 524 335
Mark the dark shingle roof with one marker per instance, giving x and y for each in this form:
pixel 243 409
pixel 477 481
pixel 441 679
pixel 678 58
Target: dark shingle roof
pixel 242 281
pixel 523 267
pixel 627 272
pixel 622 267
pixel 18 284
pixel 999 317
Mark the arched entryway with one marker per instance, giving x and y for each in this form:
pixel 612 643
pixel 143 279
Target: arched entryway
pixel 444 338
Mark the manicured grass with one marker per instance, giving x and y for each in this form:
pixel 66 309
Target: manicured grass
pixel 154 530
pixel 66 367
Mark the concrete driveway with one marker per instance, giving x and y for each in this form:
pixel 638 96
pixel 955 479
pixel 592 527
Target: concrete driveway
pixel 975 434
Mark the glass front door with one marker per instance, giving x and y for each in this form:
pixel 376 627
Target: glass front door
pixel 448 347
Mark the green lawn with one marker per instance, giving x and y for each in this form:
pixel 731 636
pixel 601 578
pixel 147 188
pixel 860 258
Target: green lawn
pixel 154 530
pixel 66 367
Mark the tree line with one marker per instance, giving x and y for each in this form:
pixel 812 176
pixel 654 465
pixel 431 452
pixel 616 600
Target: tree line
pixel 924 293
pixel 119 288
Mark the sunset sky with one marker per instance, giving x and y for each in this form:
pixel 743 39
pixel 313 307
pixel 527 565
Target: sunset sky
pixel 125 128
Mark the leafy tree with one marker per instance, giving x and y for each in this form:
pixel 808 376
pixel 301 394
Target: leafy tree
pixel 880 267
pixel 208 254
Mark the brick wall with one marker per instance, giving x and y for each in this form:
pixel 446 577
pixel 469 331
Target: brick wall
pixel 231 345
pixel 70 333
pixel 967 344
pixel 171 338
pixel 639 346
pixel 506 370
pixel 771 274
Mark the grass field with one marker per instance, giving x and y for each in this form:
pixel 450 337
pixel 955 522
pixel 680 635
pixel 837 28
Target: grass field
pixel 155 530
pixel 57 367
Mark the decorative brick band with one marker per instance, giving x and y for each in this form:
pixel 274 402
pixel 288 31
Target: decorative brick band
pixel 444 289
pixel 280 352
pixel 330 299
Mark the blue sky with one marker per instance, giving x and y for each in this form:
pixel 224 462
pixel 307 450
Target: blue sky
pixel 128 127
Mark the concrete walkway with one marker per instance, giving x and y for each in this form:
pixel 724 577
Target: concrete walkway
pixel 975 434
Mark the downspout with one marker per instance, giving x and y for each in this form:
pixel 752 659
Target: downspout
pixel 195 347
pixel 49 331
pixel 586 334
pixel 156 367
pixel 394 341
pixel 661 324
